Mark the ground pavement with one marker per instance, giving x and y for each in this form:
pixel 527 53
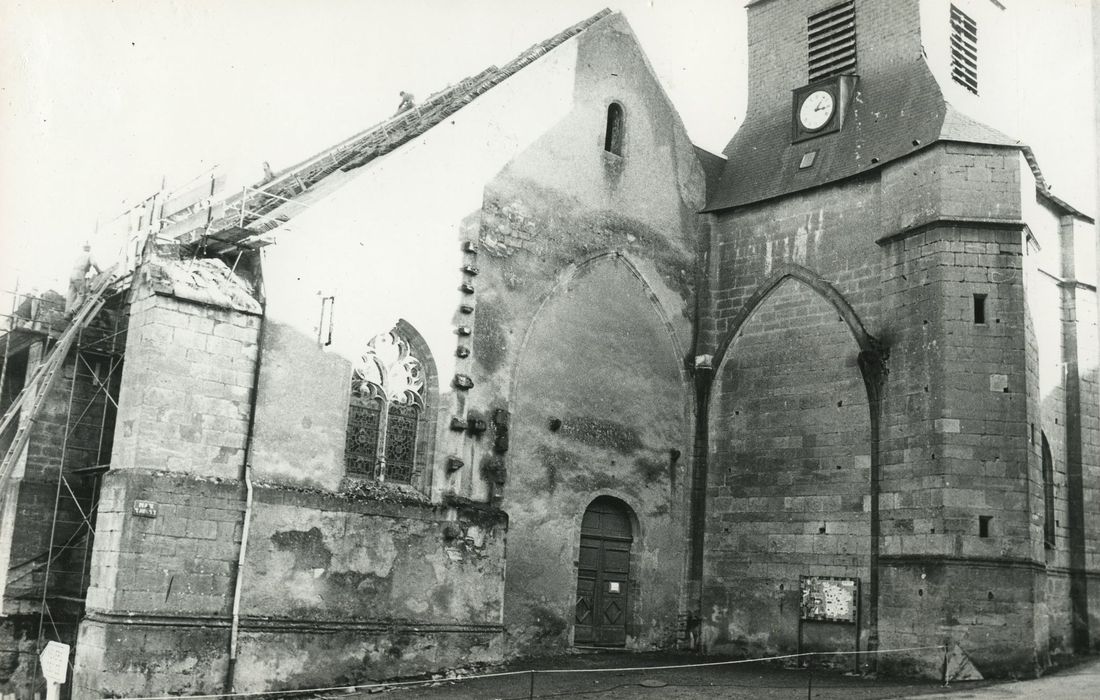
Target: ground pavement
pixel 600 676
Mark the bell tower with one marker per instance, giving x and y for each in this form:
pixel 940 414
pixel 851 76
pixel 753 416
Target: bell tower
pixel 892 282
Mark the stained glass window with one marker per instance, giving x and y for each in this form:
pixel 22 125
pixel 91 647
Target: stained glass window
pixel 401 442
pixel 384 412
pixel 361 451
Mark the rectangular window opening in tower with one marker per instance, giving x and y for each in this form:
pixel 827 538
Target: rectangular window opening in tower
pixel 979 308
pixel 983 525
pixel 964 50
pixel 832 41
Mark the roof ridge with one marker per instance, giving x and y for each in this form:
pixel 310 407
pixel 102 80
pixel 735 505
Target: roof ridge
pixel 247 209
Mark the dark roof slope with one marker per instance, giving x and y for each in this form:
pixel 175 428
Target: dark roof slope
pixel 891 116
pixel 713 165
pixel 380 139
pixel 888 118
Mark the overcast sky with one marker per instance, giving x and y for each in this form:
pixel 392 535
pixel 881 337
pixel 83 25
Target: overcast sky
pixel 102 100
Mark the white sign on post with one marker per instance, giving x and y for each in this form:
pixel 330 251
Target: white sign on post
pixel 55 667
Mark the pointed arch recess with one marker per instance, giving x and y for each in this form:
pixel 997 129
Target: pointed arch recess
pixel 564 277
pixel 871 361
pixel 811 279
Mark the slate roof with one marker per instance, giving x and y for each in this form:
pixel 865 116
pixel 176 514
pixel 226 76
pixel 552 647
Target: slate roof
pixel 888 119
pixel 891 116
pixel 713 165
pixel 231 227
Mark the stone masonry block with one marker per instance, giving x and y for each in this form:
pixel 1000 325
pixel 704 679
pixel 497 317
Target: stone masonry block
pixel 201 325
pixel 187 337
pixel 235 332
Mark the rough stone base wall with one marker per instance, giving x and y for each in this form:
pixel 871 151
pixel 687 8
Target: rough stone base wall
pixel 149 657
pixel 336 587
pixel 987 609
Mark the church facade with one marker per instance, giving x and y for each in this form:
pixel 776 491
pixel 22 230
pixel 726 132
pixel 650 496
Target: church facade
pixel 835 390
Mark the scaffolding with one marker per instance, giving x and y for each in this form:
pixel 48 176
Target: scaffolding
pixel 205 217
pixel 86 353
pixel 41 344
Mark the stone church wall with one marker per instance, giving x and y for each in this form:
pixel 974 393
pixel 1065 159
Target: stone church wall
pixel 344 583
pixel 333 587
pixel 953 424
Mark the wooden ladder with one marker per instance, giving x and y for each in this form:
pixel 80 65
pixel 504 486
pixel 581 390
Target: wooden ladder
pixel 42 379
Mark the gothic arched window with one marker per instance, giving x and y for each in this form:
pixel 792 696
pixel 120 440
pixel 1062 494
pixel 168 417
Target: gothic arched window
pixel 387 385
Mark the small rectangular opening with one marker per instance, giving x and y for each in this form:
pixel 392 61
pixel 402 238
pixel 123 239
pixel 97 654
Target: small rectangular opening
pixel 979 308
pixel 983 525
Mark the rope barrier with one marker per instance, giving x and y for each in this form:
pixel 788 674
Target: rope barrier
pixel 531 672
pixel 743 661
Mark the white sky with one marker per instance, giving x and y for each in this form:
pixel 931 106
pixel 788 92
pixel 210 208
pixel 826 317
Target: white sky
pixel 101 99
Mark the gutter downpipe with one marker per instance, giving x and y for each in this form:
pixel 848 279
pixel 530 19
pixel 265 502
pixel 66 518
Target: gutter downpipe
pixel 238 584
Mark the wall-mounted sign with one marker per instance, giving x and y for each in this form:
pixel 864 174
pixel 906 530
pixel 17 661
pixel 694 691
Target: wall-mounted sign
pixel 144 509
pixel 829 599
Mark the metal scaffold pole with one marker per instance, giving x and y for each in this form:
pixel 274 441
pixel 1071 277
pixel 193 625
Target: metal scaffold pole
pixel 44 611
pixel 7 343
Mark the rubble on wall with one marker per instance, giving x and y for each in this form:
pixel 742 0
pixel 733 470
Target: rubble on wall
pixel 202 280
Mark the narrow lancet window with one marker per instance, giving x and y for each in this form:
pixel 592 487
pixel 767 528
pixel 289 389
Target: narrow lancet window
pixel 1048 495
pixel 613 138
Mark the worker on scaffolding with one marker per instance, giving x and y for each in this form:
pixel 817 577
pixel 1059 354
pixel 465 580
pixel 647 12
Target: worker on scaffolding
pixel 78 279
pixel 27 312
pixel 407 103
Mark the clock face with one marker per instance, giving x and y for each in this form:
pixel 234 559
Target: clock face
pixel 816 110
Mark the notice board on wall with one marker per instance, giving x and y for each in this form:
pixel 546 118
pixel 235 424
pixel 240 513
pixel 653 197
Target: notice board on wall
pixel 829 599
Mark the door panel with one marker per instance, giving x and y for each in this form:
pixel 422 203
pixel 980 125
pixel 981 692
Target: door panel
pixel 587 574
pixel 603 575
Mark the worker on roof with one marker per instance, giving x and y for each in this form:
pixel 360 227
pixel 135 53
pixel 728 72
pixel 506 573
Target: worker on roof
pixel 407 102
pixel 78 279
pixel 27 313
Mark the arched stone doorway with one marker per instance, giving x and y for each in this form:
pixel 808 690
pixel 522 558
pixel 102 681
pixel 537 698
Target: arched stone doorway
pixel 603 574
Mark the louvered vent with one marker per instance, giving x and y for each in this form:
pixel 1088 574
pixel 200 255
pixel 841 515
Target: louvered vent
pixel 832 35
pixel 964 50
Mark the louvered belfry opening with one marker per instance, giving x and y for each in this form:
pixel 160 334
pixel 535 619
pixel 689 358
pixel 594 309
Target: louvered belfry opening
pixel 964 50
pixel 832 41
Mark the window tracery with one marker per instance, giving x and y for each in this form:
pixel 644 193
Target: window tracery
pixel 387 386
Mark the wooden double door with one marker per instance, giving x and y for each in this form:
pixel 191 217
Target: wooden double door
pixel 603 575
